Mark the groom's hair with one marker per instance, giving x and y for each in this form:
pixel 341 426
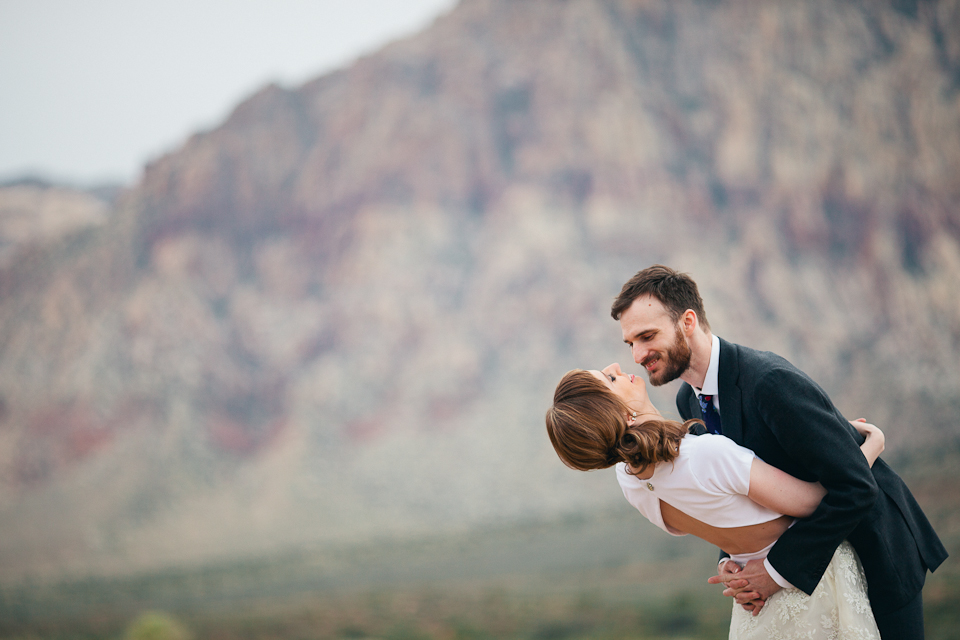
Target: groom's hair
pixel 676 291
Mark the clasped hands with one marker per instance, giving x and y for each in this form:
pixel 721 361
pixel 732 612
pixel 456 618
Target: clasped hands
pixel 750 585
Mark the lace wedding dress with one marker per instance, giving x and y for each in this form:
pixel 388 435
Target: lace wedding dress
pixel 838 609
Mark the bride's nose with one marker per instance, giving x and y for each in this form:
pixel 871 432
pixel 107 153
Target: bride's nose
pixel 614 369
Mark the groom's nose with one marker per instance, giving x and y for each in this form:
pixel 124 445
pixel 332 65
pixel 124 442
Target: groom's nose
pixel 639 353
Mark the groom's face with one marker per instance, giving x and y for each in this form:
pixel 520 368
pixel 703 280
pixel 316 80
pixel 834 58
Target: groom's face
pixel 655 340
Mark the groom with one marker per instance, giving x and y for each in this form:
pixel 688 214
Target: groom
pixel 764 403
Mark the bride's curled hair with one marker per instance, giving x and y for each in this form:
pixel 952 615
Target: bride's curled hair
pixel 588 428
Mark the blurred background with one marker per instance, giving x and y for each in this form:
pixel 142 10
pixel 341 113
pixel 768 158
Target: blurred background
pixel 285 290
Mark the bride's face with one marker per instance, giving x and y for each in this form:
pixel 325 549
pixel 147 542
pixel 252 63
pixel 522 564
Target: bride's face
pixel 632 390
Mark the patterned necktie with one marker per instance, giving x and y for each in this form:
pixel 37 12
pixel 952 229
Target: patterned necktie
pixel 710 416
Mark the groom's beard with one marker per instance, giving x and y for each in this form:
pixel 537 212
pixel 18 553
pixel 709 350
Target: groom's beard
pixel 674 362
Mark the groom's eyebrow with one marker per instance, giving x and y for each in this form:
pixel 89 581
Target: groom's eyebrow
pixel 641 334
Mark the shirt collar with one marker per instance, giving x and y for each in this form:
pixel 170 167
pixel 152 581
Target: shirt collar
pixel 711 385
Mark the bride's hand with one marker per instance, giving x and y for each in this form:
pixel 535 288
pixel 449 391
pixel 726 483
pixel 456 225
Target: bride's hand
pixel 874 439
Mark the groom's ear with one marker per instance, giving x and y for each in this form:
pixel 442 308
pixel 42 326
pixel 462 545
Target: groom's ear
pixel 689 322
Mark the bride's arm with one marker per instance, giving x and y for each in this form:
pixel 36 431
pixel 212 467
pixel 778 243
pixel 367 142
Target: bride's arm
pixel 781 492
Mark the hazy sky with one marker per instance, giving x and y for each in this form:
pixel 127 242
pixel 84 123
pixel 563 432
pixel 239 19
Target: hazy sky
pixel 92 89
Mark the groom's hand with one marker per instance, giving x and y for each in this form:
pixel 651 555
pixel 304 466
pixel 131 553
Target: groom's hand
pixel 750 586
pixel 759 587
pixel 728 574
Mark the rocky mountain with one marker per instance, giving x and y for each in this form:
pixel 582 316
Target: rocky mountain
pixel 340 315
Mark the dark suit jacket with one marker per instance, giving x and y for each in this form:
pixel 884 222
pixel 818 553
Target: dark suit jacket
pixel 774 409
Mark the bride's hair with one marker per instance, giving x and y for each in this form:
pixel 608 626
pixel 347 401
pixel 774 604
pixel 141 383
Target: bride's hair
pixel 588 428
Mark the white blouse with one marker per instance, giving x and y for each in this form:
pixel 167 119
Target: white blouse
pixel 709 480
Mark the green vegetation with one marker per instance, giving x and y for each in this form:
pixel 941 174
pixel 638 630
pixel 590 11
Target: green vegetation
pixel 155 625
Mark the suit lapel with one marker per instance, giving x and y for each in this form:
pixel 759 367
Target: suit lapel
pixel 695 410
pixel 728 380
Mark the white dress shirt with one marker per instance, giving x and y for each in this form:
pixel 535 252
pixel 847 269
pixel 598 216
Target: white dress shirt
pixel 711 385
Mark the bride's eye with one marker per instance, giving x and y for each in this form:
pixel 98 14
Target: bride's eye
pixel 612 377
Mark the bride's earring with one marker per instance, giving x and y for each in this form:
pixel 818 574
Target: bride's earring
pixel 633 416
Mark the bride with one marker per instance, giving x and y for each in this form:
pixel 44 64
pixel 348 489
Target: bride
pixel 712 488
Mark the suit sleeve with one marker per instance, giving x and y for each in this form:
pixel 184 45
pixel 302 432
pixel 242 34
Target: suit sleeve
pixel 812 431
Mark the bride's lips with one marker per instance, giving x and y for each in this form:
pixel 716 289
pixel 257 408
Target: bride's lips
pixel 631 378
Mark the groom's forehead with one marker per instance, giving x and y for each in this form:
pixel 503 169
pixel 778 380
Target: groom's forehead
pixel 646 308
pixel 646 315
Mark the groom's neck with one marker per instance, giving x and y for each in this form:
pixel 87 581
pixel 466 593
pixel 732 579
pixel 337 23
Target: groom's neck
pixel 701 342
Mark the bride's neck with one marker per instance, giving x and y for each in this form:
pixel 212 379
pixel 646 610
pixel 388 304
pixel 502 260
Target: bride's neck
pixel 646 474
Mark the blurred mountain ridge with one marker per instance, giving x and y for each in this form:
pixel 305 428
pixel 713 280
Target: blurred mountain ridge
pixel 340 315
